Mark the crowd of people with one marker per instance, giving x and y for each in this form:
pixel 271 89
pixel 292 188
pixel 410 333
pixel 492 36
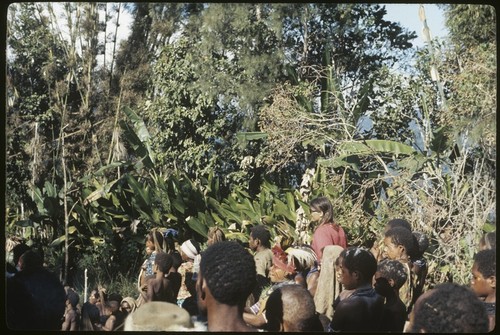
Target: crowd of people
pixel 268 285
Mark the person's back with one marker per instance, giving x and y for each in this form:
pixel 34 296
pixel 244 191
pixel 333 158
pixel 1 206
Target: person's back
pixel 290 308
pixel 36 300
pixel 160 288
pixel 362 310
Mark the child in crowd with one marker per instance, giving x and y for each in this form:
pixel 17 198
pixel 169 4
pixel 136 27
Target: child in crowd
pixel 483 281
pixel 362 309
pixel 260 243
pixel 160 288
pixel 400 244
pixel 389 278
pixel 155 242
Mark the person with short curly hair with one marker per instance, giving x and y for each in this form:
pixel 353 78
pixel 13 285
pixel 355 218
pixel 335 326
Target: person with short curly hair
pixel 160 288
pixel 448 308
pixel 227 277
pixel 483 281
pixel 389 278
pixel 362 309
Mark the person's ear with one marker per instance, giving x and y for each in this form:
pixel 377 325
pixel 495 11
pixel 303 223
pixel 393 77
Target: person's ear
pixel 492 281
pixel 401 249
pixel 203 290
pixel 391 282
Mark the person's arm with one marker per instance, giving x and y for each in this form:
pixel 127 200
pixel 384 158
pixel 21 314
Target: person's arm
pixel 66 323
pixel 110 323
pixel 255 320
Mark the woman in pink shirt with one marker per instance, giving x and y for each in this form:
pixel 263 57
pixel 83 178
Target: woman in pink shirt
pixel 327 232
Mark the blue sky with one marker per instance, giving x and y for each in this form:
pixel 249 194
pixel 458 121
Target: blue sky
pixel 407 16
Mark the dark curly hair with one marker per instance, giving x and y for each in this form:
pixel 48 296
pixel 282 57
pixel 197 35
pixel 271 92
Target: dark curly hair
pixel 449 308
pixel 398 223
pixel 361 260
pixel 486 261
pixel 422 243
pixel 229 270
pixel 262 233
pixel 393 269
pixel 404 237
pixel 164 261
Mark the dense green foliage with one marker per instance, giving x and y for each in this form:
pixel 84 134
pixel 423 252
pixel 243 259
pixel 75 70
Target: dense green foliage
pixel 239 114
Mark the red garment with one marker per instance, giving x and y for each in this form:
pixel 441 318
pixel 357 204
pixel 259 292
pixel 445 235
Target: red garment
pixel 328 234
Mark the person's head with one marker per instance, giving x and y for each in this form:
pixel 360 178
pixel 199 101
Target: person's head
pixel 111 307
pixel 189 250
pixel 357 267
pixel 260 237
pixel 281 269
pixel 227 276
pixel 159 316
pixel 164 261
pixel 397 223
pixel 94 296
pixel 400 244
pixel 155 240
pixel 303 257
pixel 321 210
pixel 422 243
pixel 128 305
pixel 449 308
pixel 29 261
pixel 291 308
pixel 215 234
pixel 18 250
pixel 483 281
pixel 72 298
pixel 488 241
pixel 393 271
